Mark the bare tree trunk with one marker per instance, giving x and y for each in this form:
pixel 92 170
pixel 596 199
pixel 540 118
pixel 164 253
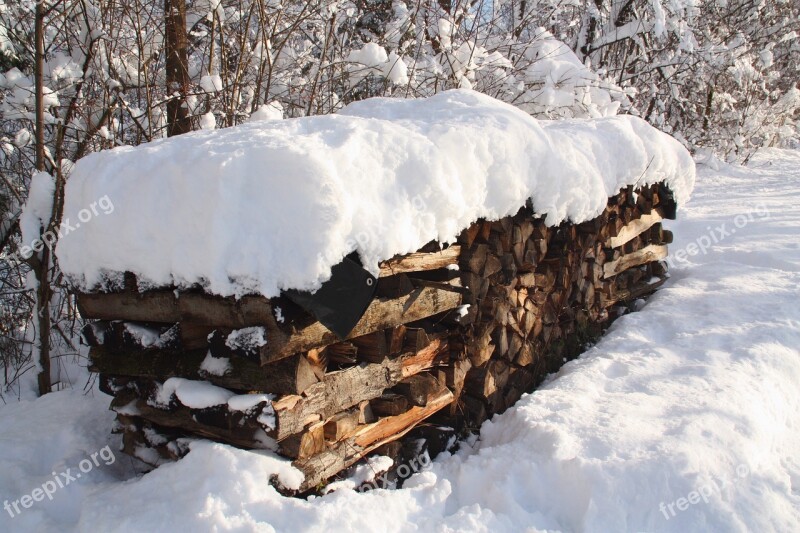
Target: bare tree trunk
pixel 178 119
pixel 42 265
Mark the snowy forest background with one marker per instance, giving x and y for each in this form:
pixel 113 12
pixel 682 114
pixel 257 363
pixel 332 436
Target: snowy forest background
pixel 78 76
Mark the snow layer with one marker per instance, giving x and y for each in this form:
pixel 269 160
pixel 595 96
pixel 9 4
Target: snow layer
pixel 273 205
pixel 36 215
pixel 249 339
pixel 216 366
pixel 191 393
pixel 693 398
pixel 245 402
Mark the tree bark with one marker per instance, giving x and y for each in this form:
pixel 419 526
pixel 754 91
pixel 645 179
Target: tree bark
pixel 177 63
pixel 41 267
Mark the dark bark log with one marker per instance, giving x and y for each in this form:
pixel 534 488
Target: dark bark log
pixel 177 66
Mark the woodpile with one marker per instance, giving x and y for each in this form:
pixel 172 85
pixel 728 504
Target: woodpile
pixel 451 337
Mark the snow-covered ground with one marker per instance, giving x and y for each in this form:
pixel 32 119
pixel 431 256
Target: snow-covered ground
pixel 683 418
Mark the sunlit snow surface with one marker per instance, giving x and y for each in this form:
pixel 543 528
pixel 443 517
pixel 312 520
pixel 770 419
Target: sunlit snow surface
pixel 699 392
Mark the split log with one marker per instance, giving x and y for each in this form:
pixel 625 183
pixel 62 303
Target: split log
pixel 416 262
pixel 365 414
pixel 346 388
pixel 317 360
pixel 634 229
pixel 418 389
pixel 151 444
pixel 371 347
pixel 366 439
pixel 648 254
pixel 380 314
pixel 484 381
pixel 455 374
pixel 343 353
pixel 388 428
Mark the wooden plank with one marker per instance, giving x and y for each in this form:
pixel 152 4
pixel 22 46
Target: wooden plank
pixel 171 307
pixel 151 306
pixel 289 376
pixel 650 253
pixel 416 262
pixel 634 229
pixel 347 388
pixel 247 311
pixel 381 314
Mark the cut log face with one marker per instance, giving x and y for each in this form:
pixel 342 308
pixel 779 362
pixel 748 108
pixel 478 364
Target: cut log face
pixel 306 444
pixel 418 389
pixel 389 405
pixel 451 337
pixel 342 425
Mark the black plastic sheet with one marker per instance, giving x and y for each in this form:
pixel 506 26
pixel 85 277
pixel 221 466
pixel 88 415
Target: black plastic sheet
pixel 341 301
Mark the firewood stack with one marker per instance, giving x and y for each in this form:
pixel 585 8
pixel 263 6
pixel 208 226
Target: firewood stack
pixel 452 336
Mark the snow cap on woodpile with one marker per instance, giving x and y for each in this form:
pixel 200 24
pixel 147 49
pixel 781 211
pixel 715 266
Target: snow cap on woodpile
pixel 273 205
